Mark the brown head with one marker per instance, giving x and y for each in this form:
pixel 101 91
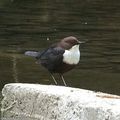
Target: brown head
pixel 69 42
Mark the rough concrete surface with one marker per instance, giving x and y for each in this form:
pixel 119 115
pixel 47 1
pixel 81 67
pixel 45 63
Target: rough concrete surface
pixel 47 102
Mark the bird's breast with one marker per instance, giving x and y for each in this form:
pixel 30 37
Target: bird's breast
pixel 72 56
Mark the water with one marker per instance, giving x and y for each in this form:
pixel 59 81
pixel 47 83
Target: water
pixel 34 25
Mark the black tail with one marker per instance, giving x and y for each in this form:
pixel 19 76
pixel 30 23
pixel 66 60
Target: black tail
pixel 31 53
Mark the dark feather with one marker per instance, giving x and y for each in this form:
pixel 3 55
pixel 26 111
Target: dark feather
pixel 51 57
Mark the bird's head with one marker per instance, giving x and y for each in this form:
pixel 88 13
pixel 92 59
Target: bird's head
pixel 69 42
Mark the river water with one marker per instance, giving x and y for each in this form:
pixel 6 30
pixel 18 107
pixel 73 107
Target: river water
pixel 35 24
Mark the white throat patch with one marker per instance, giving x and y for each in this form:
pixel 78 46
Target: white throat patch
pixel 72 56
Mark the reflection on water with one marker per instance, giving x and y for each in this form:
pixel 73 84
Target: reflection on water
pixel 15 73
pixel 29 24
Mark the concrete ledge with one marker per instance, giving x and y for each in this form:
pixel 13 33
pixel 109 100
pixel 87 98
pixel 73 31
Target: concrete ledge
pixel 46 102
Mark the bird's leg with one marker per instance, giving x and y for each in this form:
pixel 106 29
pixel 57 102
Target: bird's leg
pixel 63 79
pixel 53 78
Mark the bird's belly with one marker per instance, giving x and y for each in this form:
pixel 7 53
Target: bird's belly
pixel 63 68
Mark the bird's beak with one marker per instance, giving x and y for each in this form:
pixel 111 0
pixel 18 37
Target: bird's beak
pixel 80 42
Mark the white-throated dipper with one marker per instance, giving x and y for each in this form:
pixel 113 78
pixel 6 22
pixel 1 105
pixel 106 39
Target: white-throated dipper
pixel 59 57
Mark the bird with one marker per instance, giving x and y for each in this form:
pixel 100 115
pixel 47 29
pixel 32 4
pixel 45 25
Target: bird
pixel 59 57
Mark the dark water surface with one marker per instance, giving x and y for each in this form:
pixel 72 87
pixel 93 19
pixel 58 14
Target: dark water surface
pixel 27 25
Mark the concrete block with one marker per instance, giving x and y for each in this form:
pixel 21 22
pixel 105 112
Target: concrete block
pixel 48 102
